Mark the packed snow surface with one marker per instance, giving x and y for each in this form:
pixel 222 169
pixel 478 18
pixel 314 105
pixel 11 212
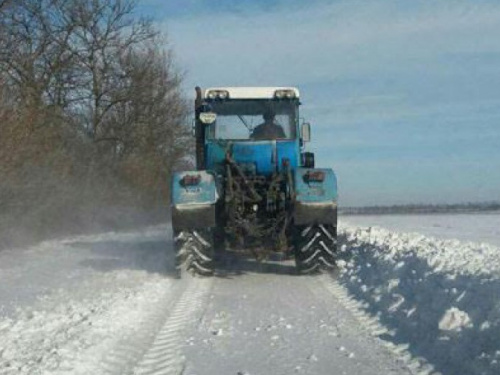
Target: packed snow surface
pixel 400 303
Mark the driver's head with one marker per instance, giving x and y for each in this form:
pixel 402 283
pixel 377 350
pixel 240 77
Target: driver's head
pixel 268 115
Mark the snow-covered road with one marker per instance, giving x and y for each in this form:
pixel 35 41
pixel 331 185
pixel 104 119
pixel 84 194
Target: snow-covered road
pixel 265 319
pixel 109 304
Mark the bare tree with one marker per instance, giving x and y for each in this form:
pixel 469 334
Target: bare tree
pixel 91 109
pixel 35 56
pixel 105 31
pixel 67 53
pixel 151 124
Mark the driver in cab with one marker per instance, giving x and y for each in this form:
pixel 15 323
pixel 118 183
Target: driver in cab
pixel 269 129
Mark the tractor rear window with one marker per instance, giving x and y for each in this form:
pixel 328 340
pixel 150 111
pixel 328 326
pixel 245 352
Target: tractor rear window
pixel 254 120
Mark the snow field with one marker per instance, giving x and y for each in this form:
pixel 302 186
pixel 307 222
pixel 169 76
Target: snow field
pixel 438 297
pixel 466 227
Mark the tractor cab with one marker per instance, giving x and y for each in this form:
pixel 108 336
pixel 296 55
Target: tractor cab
pixel 259 127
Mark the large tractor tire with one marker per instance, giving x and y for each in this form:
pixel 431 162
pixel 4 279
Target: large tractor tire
pixel 315 248
pixel 195 252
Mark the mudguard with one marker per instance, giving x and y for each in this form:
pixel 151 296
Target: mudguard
pixel 315 196
pixel 194 194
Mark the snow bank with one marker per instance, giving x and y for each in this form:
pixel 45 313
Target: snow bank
pixel 74 337
pixel 439 296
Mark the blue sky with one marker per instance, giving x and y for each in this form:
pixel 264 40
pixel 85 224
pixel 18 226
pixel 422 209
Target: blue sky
pixel 403 96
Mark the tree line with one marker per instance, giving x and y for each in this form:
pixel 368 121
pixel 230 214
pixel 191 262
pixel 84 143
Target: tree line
pixel 92 116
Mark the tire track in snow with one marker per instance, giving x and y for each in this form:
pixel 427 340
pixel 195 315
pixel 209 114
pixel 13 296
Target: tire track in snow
pixel 165 356
pixel 417 366
pixel 129 350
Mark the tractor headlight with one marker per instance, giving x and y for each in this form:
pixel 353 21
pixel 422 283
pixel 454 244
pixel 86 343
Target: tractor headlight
pixel 218 94
pixel 282 94
pixel 223 94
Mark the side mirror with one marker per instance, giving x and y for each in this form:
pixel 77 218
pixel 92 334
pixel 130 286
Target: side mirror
pixel 305 132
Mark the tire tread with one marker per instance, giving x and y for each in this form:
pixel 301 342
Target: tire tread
pixel 315 248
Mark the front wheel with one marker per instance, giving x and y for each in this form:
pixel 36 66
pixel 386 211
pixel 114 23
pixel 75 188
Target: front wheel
pixel 315 247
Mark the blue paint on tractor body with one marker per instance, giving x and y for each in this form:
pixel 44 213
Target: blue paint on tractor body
pixel 266 156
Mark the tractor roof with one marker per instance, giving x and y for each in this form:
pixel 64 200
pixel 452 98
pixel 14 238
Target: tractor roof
pixel 250 92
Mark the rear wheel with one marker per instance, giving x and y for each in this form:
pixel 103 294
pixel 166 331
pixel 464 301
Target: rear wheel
pixel 315 247
pixel 195 251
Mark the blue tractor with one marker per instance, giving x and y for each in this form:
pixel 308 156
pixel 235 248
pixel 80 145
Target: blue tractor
pixel 255 190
